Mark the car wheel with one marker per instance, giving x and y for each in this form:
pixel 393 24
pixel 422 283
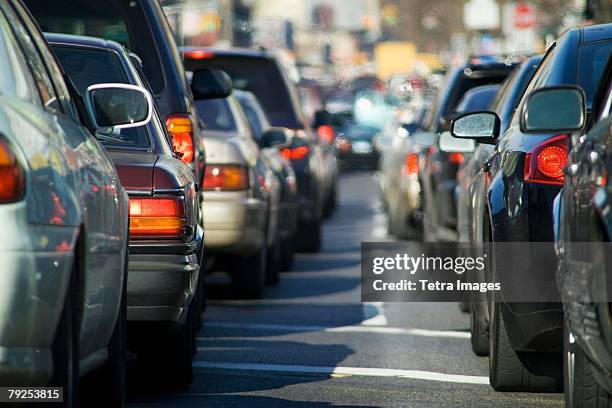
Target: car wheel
pixel 478 329
pixel 273 263
pixel 111 377
pixel 249 275
pixel 309 234
pixel 65 349
pixel 510 370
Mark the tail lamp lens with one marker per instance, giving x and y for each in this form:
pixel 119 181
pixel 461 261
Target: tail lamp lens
pixel 295 153
pixel 546 161
pixel 411 165
pixel 226 177
pixel 159 217
pixel 326 134
pixel 12 178
pixel 181 131
pixel 456 158
pixel 198 54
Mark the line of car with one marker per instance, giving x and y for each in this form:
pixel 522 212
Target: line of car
pixel 530 166
pixel 128 170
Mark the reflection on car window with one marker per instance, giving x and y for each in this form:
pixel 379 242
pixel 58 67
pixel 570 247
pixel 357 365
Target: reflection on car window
pixel 86 67
pixel 216 114
pixel 14 79
pixel 592 61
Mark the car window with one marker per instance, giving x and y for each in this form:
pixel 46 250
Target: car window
pixel 89 66
pixel 34 60
pixel 477 99
pixel 117 20
pixel 216 114
pixel 591 63
pixel 253 118
pixel 14 75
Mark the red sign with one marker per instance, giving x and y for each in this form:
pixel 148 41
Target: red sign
pixel 524 16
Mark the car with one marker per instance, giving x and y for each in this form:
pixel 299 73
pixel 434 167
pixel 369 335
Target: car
pixel 583 229
pixel 472 183
pixel 526 173
pixel 355 146
pixel 287 212
pixel 166 240
pixel 241 197
pixel 143 28
pixel 262 74
pixel 65 222
pixel 438 174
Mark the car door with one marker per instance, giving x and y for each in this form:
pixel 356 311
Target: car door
pixel 100 194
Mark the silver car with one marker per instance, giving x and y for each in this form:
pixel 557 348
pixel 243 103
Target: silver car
pixel 64 221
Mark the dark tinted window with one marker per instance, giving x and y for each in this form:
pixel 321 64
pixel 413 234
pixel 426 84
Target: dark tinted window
pixel 262 77
pixel 88 66
pixel 477 99
pixel 216 114
pixel 118 20
pixel 593 59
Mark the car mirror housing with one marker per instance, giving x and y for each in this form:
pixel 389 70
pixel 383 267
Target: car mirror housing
pixel 275 137
pixel 119 106
pixel 554 109
pixel 450 144
pixel 210 84
pixel 482 127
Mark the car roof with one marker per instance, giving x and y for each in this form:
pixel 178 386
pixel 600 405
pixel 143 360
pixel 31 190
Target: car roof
pixel 93 42
pixel 596 33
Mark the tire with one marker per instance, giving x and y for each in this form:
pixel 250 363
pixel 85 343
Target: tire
pixel 249 275
pixel 309 235
pixel 273 263
pixel 479 336
pixel 111 377
pixel 510 370
pixel 65 348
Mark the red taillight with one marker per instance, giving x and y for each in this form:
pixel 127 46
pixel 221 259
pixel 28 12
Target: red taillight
pixel 198 54
pixel 411 165
pixel 326 134
pixel 181 131
pixel 12 179
pixel 545 163
pixel 295 153
pixel 456 158
pixel 159 217
pixel 226 177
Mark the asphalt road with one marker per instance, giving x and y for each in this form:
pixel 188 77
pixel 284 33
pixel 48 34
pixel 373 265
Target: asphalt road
pixel 311 343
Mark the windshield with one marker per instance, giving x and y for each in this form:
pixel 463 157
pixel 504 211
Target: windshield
pixel 88 66
pixel 216 114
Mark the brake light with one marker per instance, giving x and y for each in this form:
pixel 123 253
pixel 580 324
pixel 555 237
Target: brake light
pixel 198 54
pixel 12 179
pixel 411 165
pixel 181 132
pixel 295 153
pixel 456 158
pixel 326 134
pixel 160 217
pixel 225 177
pixel 545 163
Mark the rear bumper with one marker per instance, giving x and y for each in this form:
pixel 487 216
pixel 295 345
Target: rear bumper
pixel 161 286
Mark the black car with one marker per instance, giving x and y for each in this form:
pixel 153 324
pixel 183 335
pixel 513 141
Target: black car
pixel 439 179
pixel 526 173
pixel 262 74
pixel 142 27
pixel 583 221
pixel 356 148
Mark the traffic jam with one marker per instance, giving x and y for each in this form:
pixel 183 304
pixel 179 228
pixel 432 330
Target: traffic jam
pixel 190 191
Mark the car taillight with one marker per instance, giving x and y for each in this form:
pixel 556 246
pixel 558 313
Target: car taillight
pixel 12 179
pixel 181 131
pixel 198 54
pixel 295 153
pixel 456 158
pixel 225 177
pixel 327 134
pixel 159 217
pixel 545 163
pixel 411 165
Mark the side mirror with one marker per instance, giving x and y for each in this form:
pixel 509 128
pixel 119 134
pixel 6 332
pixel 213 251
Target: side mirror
pixel 275 137
pixel 450 144
pixel 554 109
pixel 210 84
pixel 425 138
pixel 119 106
pixel 482 127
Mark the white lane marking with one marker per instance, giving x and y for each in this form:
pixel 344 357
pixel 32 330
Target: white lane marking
pixel 360 371
pixel 341 329
pixel 373 314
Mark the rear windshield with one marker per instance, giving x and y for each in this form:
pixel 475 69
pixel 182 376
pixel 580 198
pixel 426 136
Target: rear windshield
pixel 477 99
pixel 118 20
pixel 216 114
pixel 262 77
pixel 88 66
